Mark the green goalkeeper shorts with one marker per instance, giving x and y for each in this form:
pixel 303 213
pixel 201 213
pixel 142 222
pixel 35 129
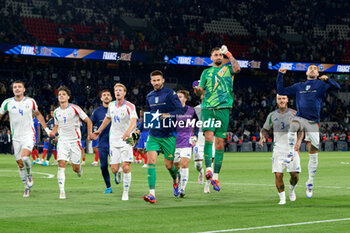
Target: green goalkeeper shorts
pixel 214 116
pixel 166 144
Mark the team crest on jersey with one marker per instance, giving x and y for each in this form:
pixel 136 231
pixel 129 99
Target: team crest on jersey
pixel 307 87
pixel 27 106
pixel 156 100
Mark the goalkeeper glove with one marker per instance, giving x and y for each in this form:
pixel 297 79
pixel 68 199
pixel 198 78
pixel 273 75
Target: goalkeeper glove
pixel 225 51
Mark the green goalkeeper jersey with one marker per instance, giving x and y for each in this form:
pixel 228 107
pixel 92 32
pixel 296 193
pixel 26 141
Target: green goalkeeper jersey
pixel 218 85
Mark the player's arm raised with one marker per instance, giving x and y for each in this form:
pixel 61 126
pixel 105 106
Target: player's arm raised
pixel 235 66
pixel 284 90
pixel 330 82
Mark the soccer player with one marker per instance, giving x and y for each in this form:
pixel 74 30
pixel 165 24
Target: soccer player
pixel 49 143
pixel 123 118
pixel 97 117
pixel 21 110
pixel 67 118
pixel 185 139
pixel 35 154
pixel 279 120
pixel 162 103
pixel 217 82
pixel 141 145
pixel 309 98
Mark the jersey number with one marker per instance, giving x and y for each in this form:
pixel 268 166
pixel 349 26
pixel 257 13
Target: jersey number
pixel 20 111
pixel 64 120
pixel 283 126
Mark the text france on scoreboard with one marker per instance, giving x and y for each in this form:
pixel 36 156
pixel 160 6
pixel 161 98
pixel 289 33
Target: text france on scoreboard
pixel 293 66
pixel 44 51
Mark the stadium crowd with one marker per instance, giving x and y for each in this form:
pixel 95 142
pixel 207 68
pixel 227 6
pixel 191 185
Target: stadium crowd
pixel 177 27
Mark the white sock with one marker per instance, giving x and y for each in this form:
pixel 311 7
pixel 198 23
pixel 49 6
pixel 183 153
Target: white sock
pixel 152 191
pixel 209 169
pixel 27 165
pixel 61 177
pixel 292 136
pixel 312 167
pixel 184 177
pixel 291 187
pixel 282 195
pixel 127 181
pixel 216 176
pixel 120 168
pixel 198 165
pixel 23 175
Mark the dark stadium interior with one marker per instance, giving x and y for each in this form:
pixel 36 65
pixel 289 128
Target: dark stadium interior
pixel 317 32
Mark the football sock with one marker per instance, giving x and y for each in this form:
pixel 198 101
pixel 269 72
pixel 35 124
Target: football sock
pixel 151 176
pixel 282 195
pixel 184 177
pixel 54 152
pixel 33 155
pixel 27 165
pixel 127 181
pixel 312 167
pixel 44 154
pixel 23 175
pixel 137 155
pixel 96 156
pixel 208 153
pixel 61 177
pixel 219 156
pixel 152 191
pixel 198 165
pixel 292 136
pixel 173 173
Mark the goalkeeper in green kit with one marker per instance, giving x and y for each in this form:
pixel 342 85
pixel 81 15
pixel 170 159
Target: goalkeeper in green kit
pixel 216 84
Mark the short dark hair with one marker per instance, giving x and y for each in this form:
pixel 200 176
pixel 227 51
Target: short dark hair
pixel 106 90
pixel 214 49
pixel 156 72
pixel 312 65
pixel 19 81
pixel 64 88
pixel 184 92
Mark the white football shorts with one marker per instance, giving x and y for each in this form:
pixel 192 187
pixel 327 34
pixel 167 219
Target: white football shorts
pixel 69 151
pixel 118 155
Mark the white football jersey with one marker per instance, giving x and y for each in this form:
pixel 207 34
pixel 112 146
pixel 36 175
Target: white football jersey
pixel 280 124
pixel 21 116
pixel 68 121
pixel 120 121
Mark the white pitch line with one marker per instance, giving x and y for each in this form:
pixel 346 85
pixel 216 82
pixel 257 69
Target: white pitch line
pixel 276 226
pixel 49 176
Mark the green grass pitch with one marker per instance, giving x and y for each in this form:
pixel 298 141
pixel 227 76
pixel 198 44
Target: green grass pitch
pixel 248 198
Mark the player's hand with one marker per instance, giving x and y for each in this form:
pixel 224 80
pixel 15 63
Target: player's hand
pixel 126 135
pixel 95 135
pixel 51 134
pixel 164 116
pixel 323 77
pixel 261 141
pixel 225 51
pixel 282 70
